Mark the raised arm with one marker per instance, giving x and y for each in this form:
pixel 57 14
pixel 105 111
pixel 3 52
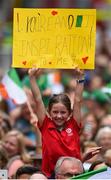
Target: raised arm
pixel 40 110
pixel 78 95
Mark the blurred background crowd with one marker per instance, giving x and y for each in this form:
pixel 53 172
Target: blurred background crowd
pixel 20 137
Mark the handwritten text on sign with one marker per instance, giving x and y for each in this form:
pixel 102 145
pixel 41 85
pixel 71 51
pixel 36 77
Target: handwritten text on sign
pixel 54 38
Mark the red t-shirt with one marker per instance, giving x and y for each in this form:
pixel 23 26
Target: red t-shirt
pixel 58 143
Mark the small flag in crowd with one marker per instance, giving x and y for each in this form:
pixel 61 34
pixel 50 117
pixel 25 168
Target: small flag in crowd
pixel 11 87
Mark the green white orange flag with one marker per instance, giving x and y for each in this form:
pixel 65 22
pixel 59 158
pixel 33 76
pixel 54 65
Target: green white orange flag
pixel 11 87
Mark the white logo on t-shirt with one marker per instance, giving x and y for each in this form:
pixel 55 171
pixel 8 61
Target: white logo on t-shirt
pixel 69 130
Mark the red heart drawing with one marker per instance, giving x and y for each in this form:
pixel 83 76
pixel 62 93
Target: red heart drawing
pixel 54 13
pixel 84 59
pixel 24 63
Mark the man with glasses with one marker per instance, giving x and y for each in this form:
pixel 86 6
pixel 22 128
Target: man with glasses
pixel 67 167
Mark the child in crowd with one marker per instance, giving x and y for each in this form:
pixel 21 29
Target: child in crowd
pixel 60 126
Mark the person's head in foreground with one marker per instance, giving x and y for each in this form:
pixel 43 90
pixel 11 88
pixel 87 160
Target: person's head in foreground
pixel 67 167
pixel 25 172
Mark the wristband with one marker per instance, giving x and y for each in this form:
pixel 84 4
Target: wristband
pixel 80 81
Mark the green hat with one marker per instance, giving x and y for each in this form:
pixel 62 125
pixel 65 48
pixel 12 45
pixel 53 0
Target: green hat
pixel 100 96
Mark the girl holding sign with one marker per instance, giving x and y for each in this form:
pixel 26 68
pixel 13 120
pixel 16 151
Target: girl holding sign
pixel 60 126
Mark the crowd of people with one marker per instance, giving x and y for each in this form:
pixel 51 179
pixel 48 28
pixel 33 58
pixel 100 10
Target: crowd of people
pixel 62 129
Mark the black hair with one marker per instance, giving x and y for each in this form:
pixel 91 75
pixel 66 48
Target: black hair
pixel 60 98
pixel 26 170
pixel 95 164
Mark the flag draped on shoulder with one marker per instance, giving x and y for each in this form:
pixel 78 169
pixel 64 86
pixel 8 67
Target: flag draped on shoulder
pixel 11 87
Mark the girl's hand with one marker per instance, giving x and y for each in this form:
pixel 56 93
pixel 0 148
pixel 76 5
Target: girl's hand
pixel 79 73
pixel 34 72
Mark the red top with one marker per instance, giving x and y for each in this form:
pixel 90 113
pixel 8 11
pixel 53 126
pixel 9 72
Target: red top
pixel 58 143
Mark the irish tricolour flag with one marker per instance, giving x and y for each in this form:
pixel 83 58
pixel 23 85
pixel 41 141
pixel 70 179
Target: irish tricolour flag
pixel 11 87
